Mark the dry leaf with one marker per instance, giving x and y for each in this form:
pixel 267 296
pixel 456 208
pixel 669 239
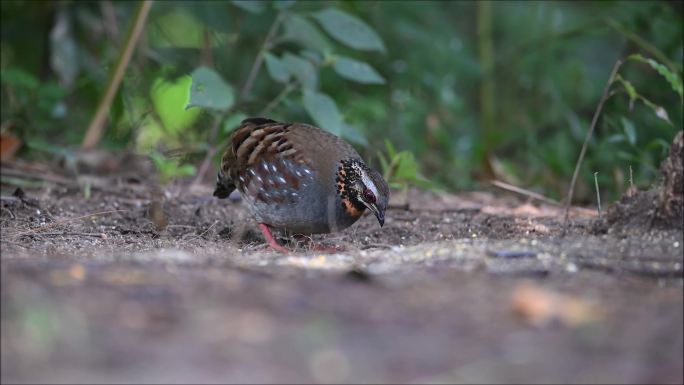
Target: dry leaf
pixel 540 306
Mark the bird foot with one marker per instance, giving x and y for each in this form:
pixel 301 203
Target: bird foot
pixel 271 241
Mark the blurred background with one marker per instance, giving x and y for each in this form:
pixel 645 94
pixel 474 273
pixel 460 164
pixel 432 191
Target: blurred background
pixel 442 95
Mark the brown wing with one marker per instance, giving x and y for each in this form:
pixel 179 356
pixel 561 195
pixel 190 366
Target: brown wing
pixel 265 158
pixel 260 158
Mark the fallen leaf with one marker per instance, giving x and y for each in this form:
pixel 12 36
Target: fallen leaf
pixel 540 306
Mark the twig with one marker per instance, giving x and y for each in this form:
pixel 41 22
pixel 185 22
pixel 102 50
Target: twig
pixel 44 177
pixel 41 228
pixel 218 118
pixel 598 194
pixel 211 151
pixel 64 234
pixel 594 120
pixel 10 212
pixel 258 60
pixel 631 177
pixel 279 98
pixel 96 127
pixel 531 194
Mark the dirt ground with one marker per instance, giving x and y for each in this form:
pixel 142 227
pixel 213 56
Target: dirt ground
pixel 108 279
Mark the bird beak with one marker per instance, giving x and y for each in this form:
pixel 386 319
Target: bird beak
pixel 378 213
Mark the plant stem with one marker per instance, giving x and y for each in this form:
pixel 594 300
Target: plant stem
pixel 522 191
pixel 247 87
pixel 594 120
pixel 598 194
pixel 96 127
pixel 642 43
pixel 279 98
pixel 218 118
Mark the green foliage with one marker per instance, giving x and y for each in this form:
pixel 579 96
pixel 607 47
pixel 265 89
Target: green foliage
pixel 169 100
pixel 357 71
pixel 276 68
pixel 671 77
pixel 33 104
pixel 170 168
pixel 210 91
pixel 303 70
pixel 400 169
pixel 413 73
pixel 323 110
pixel 349 30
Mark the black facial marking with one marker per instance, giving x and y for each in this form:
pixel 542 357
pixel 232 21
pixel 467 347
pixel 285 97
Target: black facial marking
pixel 347 178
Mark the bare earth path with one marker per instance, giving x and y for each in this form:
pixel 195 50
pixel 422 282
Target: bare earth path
pixel 468 288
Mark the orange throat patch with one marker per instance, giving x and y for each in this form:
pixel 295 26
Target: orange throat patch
pixel 350 209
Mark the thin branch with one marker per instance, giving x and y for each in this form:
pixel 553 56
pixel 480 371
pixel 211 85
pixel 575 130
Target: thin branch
pixel 594 120
pixel 213 133
pixel 218 118
pixel 96 127
pixel 522 191
pixel 279 98
pixel 44 177
pixel 258 60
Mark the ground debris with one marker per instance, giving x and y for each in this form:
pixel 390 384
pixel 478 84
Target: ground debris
pixel 541 307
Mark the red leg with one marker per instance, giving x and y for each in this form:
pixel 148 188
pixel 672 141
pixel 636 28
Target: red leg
pixel 271 241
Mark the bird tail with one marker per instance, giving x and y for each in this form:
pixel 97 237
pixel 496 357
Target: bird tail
pixel 224 185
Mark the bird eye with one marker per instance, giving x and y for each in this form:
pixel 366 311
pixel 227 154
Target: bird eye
pixel 368 195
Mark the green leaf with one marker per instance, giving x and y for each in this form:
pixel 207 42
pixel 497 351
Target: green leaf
pixel 305 33
pixel 349 30
pixel 232 122
pixel 276 69
pixel 169 99
pixel 302 69
pixel 390 149
pixel 283 4
pixel 357 71
pixel 251 6
pixel 323 111
pixel 629 88
pixel 186 170
pixel 354 135
pixel 313 56
pixel 178 29
pixel 626 156
pixel 672 78
pixel 21 78
pixel 210 91
pixel 630 131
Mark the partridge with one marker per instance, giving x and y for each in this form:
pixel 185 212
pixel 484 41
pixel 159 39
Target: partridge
pixel 299 178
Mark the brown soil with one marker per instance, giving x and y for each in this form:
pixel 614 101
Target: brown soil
pixel 133 284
